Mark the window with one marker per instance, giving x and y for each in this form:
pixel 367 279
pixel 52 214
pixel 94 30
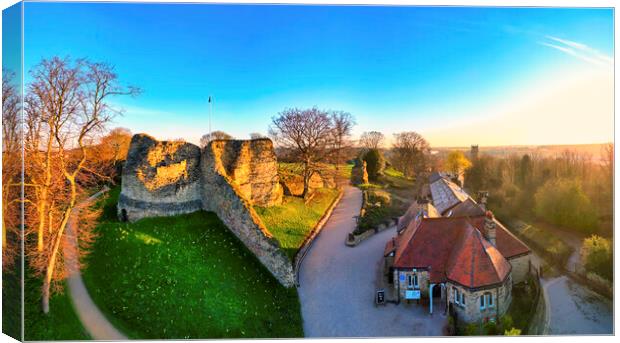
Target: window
pixel 489 299
pixel 459 297
pixel 482 304
pixel 456 295
pixel 412 281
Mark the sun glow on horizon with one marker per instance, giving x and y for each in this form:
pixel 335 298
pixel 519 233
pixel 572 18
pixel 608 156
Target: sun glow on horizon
pixel 574 107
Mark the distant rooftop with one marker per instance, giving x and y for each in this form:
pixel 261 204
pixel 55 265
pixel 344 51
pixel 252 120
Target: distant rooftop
pixel 446 194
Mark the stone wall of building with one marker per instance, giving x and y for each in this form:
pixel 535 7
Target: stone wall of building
pixel 520 268
pixel 159 179
pixel 402 287
pixel 226 198
pixel 471 312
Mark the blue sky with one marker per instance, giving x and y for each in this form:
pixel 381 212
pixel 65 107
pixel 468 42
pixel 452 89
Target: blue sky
pixel 11 40
pixel 431 70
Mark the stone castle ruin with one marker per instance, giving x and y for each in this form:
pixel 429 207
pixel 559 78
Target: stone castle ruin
pixel 227 177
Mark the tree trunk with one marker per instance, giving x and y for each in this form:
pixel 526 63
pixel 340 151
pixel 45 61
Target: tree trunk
pixel 3 229
pixel 44 194
pixel 49 273
pixel 306 178
pixel 5 201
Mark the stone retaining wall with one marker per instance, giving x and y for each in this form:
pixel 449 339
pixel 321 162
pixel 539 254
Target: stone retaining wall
pixel 353 239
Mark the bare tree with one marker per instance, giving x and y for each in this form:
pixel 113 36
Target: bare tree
pixel 343 123
pixel 372 139
pixel 410 152
pixel 306 133
pixel 215 135
pixel 67 108
pixel 11 168
pixel 607 157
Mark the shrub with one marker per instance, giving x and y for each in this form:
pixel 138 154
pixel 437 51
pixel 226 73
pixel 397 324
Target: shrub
pixel 471 330
pixel 506 322
pixel 375 163
pixel 374 216
pixel 512 332
pixel 379 196
pixel 451 326
pixel 597 257
pixel 563 202
pixel 490 328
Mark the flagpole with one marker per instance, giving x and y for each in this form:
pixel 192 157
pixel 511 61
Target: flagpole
pixel 210 110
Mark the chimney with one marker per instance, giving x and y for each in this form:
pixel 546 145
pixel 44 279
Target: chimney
pixel 482 199
pixel 489 228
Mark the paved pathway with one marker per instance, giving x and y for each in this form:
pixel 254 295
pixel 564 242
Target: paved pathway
pixel 337 285
pixel 574 309
pixel 92 319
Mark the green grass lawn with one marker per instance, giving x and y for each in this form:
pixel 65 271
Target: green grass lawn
pixel 186 276
pixel 289 168
pixel 390 171
pixel 292 221
pixel 401 192
pixel 61 323
pixel 11 300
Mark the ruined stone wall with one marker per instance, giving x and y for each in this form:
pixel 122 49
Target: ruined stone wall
pixel 224 196
pixel 159 179
pixel 252 165
pixel 359 175
pixel 227 177
pixel 293 184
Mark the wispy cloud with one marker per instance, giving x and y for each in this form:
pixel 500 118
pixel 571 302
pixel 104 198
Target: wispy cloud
pixel 578 50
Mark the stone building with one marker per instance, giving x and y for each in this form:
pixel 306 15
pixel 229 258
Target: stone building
pixel 454 250
pixel 474 152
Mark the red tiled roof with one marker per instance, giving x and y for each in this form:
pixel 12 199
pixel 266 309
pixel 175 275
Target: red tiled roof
pixel 467 208
pixel 414 209
pixel 476 263
pixel 507 243
pixel 451 248
pixel 389 246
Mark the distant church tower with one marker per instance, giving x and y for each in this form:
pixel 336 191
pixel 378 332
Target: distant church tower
pixel 473 154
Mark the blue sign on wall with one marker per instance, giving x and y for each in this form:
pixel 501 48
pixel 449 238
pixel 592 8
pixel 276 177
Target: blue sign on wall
pixel 412 294
pixel 402 277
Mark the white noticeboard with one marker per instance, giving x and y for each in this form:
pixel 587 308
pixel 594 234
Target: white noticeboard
pixel 412 294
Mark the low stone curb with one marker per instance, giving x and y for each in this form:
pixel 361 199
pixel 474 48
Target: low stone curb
pixel 307 244
pixel 357 239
